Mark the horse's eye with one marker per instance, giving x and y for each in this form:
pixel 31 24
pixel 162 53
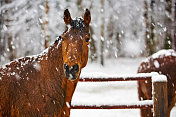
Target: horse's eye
pixel 87 39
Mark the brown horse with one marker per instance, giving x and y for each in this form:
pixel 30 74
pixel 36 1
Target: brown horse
pixel 43 85
pixel 163 62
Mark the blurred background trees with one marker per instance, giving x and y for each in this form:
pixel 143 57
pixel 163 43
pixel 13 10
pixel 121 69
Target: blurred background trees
pixel 123 28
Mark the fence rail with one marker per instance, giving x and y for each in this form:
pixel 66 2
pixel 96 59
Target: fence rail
pixel 113 79
pixel 138 105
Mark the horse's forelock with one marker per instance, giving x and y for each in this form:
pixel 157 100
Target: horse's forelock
pixel 78 23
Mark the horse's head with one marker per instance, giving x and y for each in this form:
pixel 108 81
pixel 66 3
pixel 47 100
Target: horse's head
pixel 75 41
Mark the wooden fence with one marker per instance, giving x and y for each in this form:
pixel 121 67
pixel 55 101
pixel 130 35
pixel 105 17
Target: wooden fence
pixel 159 101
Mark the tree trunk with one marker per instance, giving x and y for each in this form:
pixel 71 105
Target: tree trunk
pixel 102 33
pixel 9 37
pixel 168 24
pixel 173 30
pixel 45 25
pixel 12 54
pixel 2 28
pixel 109 41
pixel 152 27
pixel 93 51
pixel 149 29
pixel 79 4
pixel 147 32
pixel 118 45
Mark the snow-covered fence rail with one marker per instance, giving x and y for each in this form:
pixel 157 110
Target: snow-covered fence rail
pixel 101 77
pixel 135 105
pixel 159 91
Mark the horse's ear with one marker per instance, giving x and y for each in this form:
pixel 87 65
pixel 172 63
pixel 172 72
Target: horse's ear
pixel 67 17
pixel 87 17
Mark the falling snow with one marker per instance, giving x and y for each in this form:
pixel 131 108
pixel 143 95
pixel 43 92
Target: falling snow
pixel 24 21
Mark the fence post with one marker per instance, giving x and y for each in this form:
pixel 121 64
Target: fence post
pixel 160 98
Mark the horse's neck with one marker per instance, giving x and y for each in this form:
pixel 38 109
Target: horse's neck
pixel 54 56
pixel 54 63
pixel 55 60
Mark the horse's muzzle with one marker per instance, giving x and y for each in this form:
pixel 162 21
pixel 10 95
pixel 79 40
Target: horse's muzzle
pixel 71 72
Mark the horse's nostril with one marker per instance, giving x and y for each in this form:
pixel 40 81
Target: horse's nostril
pixel 66 67
pixel 76 68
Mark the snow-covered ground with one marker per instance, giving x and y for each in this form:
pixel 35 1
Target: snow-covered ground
pixel 110 92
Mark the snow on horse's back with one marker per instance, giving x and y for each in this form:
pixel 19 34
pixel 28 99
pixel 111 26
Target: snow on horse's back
pixel 43 85
pixel 163 62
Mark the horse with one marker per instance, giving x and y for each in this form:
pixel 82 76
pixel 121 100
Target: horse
pixel 43 84
pixel 163 62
